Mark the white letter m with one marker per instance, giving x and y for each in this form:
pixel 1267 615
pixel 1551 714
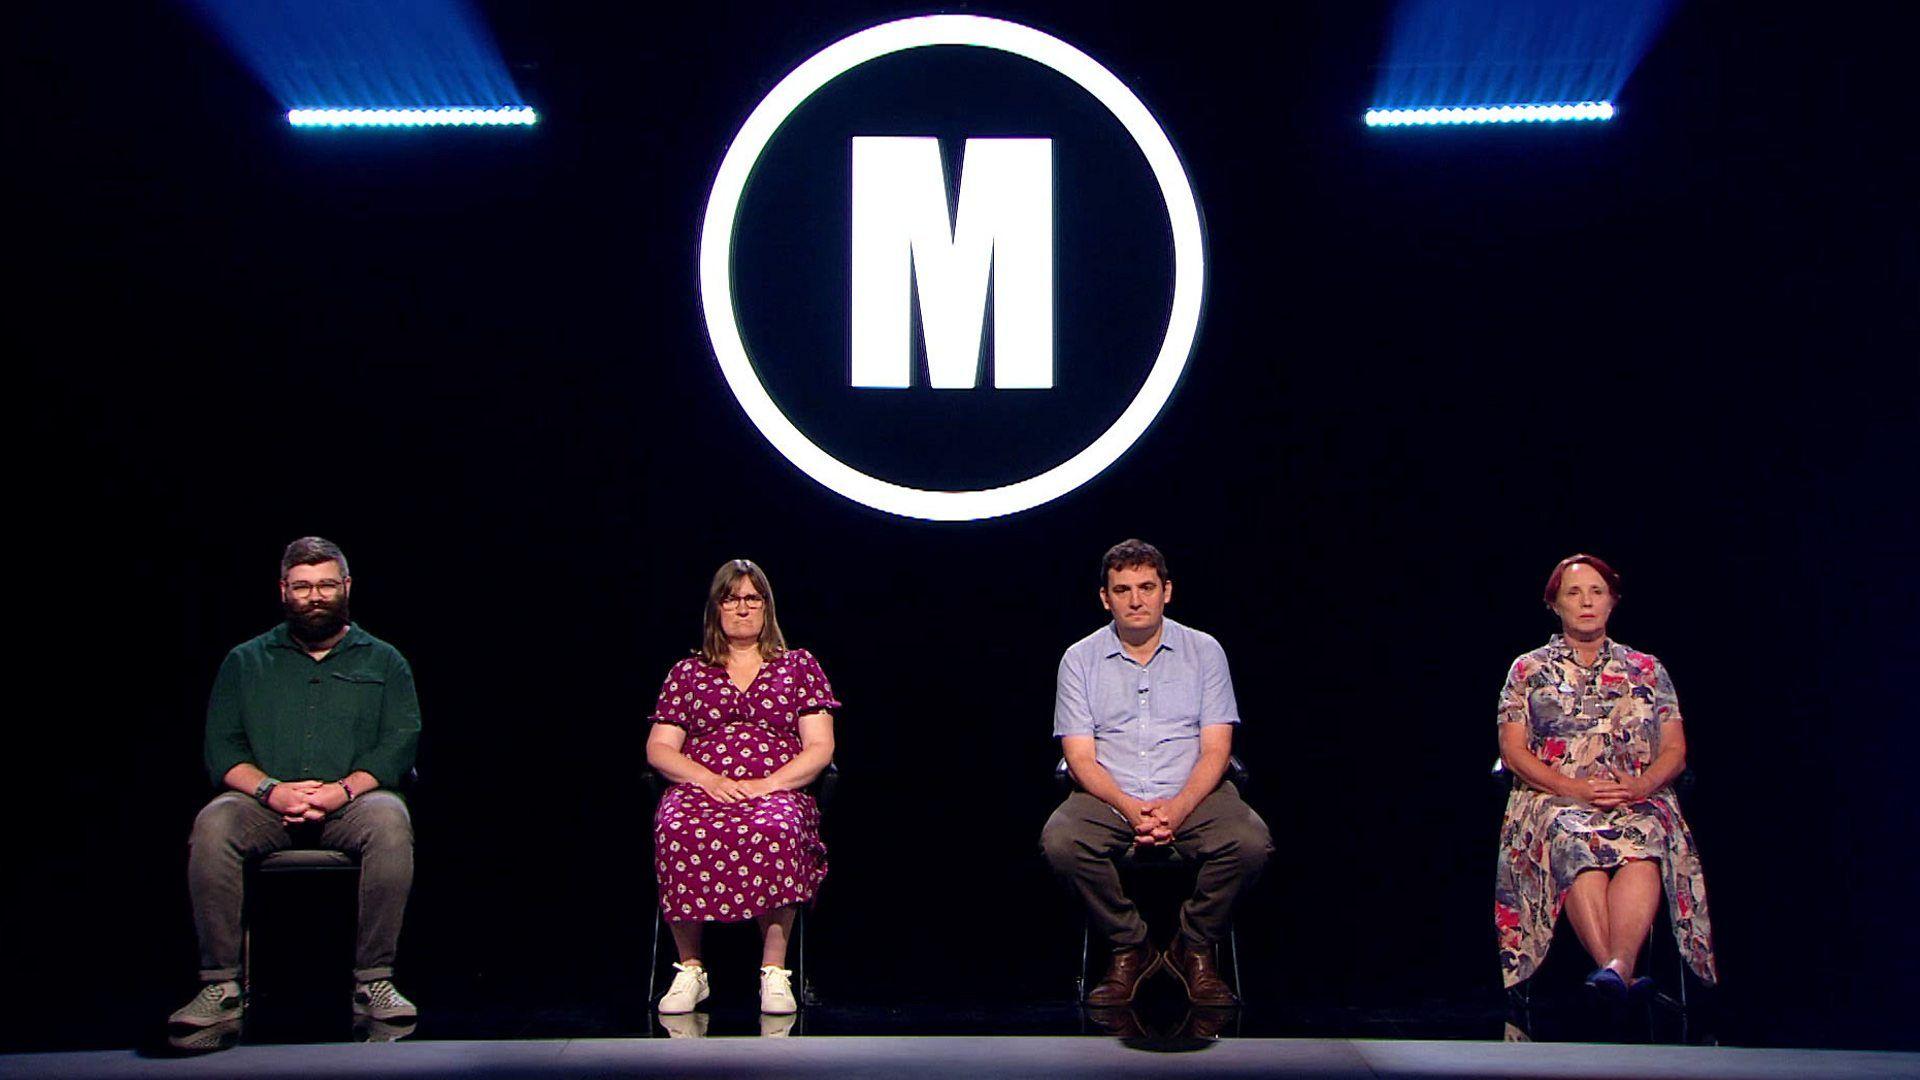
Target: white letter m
pixel 1004 225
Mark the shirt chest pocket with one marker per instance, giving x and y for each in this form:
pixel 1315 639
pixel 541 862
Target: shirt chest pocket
pixel 359 694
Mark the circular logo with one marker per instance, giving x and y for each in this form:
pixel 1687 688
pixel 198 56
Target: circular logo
pixel 717 285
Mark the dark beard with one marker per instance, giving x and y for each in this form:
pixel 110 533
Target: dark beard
pixel 316 620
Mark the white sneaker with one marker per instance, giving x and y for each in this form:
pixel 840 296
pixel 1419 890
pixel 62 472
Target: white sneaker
pixel 380 1000
pixel 216 1002
pixel 689 989
pixel 776 991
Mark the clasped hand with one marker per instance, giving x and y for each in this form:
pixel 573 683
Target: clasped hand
pixel 725 789
pixel 1154 822
pixel 305 800
pixel 1606 793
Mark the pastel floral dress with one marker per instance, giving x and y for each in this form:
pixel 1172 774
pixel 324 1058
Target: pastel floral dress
pixel 729 862
pixel 1599 721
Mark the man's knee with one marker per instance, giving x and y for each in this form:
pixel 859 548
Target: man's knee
pixel 1058 845
pixel 1258 843
pixel 382 821
pixel 1248 844
pixel 220 823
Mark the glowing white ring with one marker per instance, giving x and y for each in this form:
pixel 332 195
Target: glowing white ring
pixel 716 265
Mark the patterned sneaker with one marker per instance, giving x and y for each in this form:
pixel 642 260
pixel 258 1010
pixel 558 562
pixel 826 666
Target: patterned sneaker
pixel 215 1002
pixel 776 991
pixel 689 989
pixel 379 1000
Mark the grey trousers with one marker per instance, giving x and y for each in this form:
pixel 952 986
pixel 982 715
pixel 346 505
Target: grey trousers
pixel 234 828
pixel 1223 836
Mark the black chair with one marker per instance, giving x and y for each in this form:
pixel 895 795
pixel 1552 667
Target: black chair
pixel 1152 860
pixel 822 790
pixel 1522 994
pixel 290 865
pixel 310 865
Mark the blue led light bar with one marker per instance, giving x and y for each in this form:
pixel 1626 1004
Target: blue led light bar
pixel 1490 114
pixel 475 116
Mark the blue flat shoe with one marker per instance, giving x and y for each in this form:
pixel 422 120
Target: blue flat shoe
pixel 1608 982
pixel 1640 988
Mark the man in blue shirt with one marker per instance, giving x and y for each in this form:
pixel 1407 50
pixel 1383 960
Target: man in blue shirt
pixel 1144 711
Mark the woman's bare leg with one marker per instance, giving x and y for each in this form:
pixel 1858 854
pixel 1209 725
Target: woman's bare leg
pixel 1587 911
pixel 776 929
pixel 1632 898
pixel 686 940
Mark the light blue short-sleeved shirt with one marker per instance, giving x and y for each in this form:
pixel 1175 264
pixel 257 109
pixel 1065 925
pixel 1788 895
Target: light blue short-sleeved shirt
pixel 1145 719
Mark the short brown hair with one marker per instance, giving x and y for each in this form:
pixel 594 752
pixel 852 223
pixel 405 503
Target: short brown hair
pixel 1129 554
pixel 713 640
pixel 312 551
pixel 1607 574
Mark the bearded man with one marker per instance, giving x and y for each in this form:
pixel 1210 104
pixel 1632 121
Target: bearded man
pixel 309 727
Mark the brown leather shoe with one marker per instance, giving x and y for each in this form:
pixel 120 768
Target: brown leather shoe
pixel 1124 971
pixel 1194 967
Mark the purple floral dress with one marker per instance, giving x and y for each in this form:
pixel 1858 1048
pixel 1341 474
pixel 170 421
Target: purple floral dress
pixel 729 862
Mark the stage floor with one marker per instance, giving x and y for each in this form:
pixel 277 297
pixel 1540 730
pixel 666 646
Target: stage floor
pixel 471 1033
pixel 936 1057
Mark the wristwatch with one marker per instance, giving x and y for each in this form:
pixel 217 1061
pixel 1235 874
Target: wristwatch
pixel 265 789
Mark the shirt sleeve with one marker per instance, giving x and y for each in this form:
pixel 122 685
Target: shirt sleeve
pixel 226 744
pixel 1072 713
pixel 676 693
pixel 397 739
pixel 816 694
pixel 1217 703
pixel 1666 703
pixel 1513 696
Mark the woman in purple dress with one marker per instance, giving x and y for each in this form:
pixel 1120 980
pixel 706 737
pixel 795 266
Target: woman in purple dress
pixel 741 728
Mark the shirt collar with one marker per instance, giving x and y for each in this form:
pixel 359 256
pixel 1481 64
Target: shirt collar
pixel 1563 649
pixel 1171 637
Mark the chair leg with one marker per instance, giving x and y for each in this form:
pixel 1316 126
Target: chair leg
pixel 807 996
pixel 653 966
pixel 1080 976
pixel 1233 945
pixel 1677 1000
pixel 246 961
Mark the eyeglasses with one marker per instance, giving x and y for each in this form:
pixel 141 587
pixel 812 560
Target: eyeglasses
pixel 327 589
pixel 748 601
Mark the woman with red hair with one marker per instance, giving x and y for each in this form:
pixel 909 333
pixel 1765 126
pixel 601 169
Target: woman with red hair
pixel 1591 732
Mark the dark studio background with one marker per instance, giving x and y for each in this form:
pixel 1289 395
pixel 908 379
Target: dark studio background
pixel 1431 364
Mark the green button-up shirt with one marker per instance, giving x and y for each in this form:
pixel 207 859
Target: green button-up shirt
pixel 299 718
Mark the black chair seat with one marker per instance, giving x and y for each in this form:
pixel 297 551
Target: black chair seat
pixel 306 859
